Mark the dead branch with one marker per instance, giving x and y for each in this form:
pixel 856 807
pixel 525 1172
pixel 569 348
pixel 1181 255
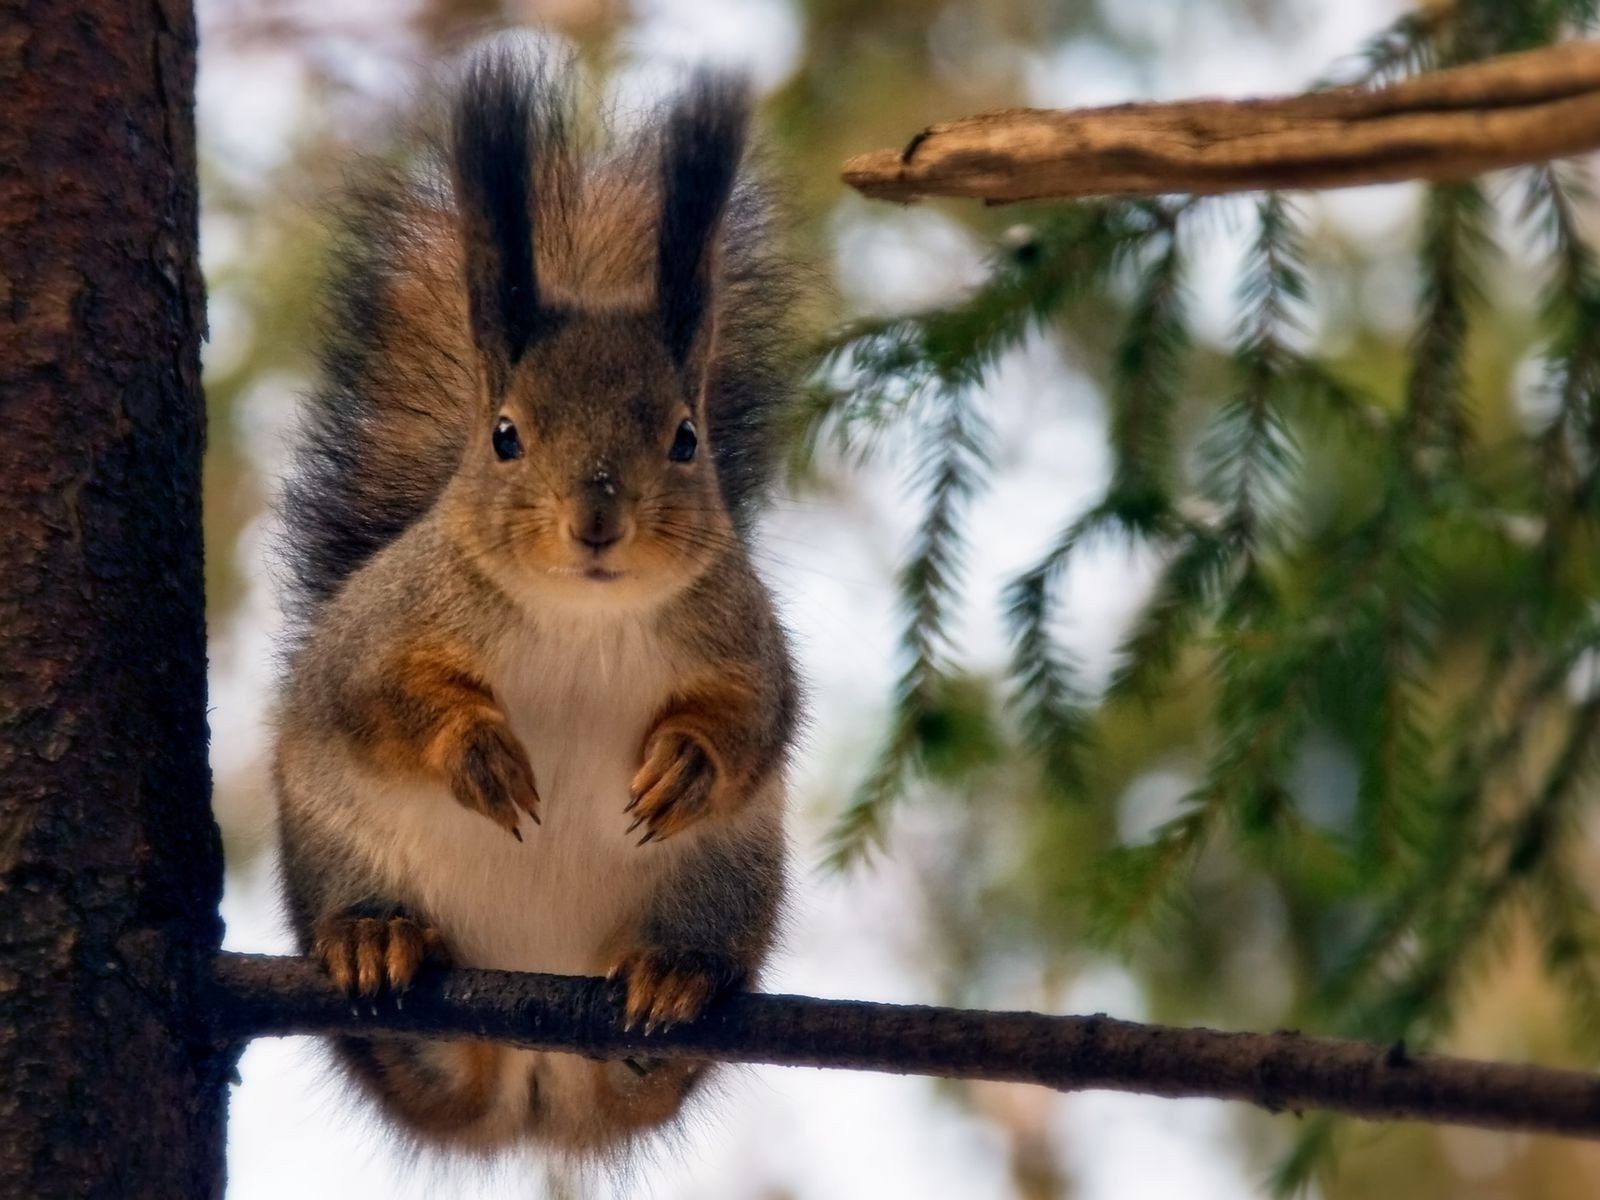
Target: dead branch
pixel 1446 125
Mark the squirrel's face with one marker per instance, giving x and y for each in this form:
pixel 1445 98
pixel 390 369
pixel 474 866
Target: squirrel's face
pixel 592 479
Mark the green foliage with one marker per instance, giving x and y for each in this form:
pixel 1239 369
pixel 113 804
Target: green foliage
pixel 921 371
pixel 1407 574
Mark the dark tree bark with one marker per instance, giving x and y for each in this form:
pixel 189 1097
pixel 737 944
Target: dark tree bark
pixel 110 863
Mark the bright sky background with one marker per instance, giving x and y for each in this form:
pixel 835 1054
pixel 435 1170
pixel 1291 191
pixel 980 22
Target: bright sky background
pixel 775 1132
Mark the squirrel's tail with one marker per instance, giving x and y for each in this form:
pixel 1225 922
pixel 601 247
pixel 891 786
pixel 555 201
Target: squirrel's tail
pixel 479 1096
pixel 591 219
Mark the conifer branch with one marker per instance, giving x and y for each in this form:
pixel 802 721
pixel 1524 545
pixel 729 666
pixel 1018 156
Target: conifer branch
pixel 254 995
pixel 1345 620
pixel 1447 125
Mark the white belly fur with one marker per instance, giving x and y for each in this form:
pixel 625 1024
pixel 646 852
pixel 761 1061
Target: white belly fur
pixel 579 696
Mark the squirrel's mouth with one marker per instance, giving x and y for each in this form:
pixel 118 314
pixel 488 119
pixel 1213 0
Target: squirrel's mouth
pixel 601 574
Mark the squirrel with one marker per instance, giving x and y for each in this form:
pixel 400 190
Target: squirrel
pixel 538 707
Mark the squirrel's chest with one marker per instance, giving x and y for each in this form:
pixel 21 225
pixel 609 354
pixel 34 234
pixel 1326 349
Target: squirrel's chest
pixel 581 703
pixel 581 699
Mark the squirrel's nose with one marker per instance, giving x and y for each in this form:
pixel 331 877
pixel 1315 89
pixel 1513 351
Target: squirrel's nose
pixel 600 528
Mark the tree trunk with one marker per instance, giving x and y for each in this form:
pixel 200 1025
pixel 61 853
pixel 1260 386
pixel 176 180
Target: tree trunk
pixel 110 863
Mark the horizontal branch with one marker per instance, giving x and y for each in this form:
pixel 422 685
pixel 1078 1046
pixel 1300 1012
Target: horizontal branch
pixel 262 996
pixel 1442 126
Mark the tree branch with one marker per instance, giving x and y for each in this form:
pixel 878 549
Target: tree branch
pixel 1446 125
pixel 255 995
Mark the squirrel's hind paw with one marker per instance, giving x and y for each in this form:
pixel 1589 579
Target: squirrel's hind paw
pixel 665 987
pixel 367 955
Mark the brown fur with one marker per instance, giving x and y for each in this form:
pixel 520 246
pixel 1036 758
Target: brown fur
pixel 462 626
pixel 706 748
pixel 400 385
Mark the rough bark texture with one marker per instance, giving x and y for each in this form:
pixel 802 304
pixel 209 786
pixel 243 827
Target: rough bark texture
pixel 1448 125
pixel 110 863
pixel 258 995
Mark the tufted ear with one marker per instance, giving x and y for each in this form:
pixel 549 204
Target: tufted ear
pixel 507 117
pixel 702 144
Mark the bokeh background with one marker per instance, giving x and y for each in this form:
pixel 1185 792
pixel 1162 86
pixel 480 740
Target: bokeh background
pixel 966 902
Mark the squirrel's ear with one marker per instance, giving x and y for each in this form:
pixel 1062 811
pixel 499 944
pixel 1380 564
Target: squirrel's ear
pixel 507 119
pixel 703 142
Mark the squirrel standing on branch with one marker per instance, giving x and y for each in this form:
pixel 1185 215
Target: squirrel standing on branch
pixel 538 713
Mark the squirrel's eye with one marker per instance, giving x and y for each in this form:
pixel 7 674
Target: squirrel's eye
pixel 507 445
pixel 684 444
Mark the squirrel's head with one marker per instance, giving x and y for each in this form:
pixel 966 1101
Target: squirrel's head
pixel 594 468
pixel 590 470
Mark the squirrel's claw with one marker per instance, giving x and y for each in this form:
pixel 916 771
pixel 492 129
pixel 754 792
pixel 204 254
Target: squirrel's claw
pixel 366 956
pixel 492 776
pixel 661 988
pixel 674 787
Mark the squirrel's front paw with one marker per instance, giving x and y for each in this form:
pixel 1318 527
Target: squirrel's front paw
pixel 664 987
pixel 491 775
pixel 676 787
pixel 366 955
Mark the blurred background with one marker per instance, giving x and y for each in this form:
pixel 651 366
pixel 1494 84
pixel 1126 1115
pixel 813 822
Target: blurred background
pixel 969 898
